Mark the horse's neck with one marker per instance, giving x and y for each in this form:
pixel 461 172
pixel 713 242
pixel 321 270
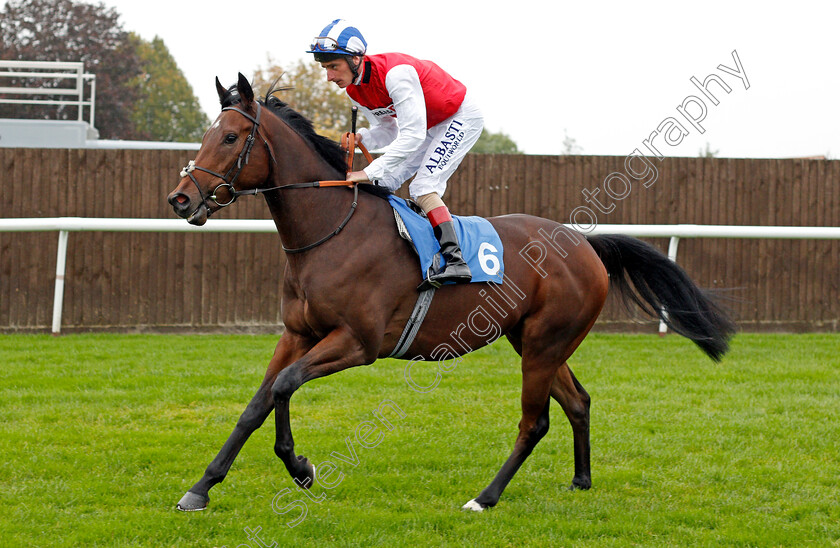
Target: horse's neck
pixel 305 215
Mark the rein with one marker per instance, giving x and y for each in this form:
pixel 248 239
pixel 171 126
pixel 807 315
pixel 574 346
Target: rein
pixel 348 142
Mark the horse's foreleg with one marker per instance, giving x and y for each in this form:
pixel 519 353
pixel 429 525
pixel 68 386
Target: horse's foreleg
pixel 252 418
pixel 337 351
pixel 532 428
pixel 569 393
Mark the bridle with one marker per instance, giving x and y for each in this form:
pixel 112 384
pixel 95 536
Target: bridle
pixel 348 141
pixel 241 162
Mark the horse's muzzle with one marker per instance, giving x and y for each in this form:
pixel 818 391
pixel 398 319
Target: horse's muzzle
pixel 184 208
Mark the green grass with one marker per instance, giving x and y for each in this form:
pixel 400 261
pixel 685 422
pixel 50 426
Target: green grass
pixel 102 434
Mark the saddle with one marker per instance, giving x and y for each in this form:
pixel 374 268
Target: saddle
pixel 481 246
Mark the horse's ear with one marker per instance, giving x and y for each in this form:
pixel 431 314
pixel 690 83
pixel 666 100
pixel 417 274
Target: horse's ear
pixel 220 89
pixel 245 90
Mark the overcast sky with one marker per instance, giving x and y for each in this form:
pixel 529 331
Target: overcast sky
pixel 608 74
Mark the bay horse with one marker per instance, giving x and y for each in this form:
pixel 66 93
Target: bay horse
pixel 350 286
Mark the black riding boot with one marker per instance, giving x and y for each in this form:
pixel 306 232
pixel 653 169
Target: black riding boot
pixel 455 270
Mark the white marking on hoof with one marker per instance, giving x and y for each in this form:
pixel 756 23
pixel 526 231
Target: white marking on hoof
pixel 473 505
pixel 186 509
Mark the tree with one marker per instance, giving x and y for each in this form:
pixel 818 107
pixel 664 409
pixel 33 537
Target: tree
pixel 570 146
pixel 308 92
pixel 167 109
pixel 495 143
pixel 708 152
pixel 62 30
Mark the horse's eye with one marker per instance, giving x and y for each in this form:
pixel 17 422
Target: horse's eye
pixel 230 138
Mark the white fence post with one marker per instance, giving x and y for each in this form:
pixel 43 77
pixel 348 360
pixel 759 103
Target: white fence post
pixel 60 267
pixel 673 244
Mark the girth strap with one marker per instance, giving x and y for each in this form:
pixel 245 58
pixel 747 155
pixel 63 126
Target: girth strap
pixel 424 301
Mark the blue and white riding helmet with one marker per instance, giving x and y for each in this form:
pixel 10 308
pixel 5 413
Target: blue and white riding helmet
pixel 339 37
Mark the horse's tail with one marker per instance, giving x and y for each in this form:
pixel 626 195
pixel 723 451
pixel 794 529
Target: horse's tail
pixel 661 288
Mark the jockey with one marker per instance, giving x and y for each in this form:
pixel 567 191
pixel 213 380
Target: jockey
pixel 422 114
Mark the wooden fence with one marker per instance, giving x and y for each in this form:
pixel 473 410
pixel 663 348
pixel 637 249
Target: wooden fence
pixel 231 282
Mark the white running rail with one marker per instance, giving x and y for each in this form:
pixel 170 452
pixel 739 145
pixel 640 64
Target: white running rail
pixel 65 225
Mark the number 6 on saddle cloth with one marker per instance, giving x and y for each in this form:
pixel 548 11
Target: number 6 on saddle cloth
pixel 480 243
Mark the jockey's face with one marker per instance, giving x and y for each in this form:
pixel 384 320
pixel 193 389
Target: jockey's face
pixel 338 71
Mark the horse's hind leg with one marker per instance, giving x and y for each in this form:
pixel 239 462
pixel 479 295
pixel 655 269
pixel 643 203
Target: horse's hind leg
pixel 532 427
pixel 569 393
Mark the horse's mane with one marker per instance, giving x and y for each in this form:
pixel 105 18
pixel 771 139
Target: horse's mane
pixel 328 149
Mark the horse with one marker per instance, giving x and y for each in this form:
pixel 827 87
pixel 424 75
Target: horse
pixel 349 291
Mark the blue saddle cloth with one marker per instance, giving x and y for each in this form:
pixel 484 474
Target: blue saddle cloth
pixel 480 243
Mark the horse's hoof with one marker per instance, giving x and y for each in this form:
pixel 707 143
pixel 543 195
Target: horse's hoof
pixel 474 506
pixel 308 476
pixel 192 502
pixel 580 483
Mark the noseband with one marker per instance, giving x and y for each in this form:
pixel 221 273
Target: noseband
pixel 241 162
